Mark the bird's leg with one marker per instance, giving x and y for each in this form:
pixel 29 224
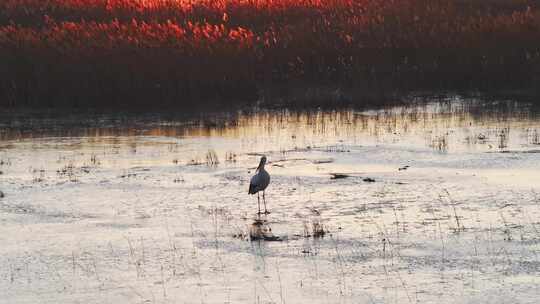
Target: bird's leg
pixel 259 202
pixel 264 200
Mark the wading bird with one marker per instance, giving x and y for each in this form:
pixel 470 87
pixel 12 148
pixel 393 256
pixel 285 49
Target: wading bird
pixel 259 182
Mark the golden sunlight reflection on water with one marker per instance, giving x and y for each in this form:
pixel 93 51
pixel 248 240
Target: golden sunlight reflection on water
pixel 445 127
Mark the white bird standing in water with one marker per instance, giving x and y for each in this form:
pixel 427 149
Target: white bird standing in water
pixel 259 182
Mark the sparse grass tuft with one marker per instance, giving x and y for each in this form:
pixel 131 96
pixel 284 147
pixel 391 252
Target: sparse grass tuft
pixel 230 157
pixel 212 158
pixel 314 228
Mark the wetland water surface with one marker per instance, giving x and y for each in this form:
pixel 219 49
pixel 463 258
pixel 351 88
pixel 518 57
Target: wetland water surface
pixel 430 203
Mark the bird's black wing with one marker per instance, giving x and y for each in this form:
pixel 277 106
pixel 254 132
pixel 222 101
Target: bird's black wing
pixel 252 189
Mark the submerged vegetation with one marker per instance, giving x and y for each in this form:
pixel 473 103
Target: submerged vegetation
pixel 184 53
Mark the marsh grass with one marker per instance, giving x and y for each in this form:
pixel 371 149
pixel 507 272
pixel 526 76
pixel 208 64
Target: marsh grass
pixel 230 157
pixel 212 159
pixel 69 172
pixel 535 137
pixel 38 175
pixel 177 53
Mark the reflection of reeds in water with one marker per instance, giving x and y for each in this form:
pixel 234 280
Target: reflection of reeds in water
pixel 331 131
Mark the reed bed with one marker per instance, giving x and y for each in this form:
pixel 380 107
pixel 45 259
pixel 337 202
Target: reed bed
pixel 188 53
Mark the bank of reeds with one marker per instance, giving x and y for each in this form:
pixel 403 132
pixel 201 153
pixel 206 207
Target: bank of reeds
pixel 186 53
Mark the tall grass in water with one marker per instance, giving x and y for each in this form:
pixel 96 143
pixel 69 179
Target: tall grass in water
pixel 180 52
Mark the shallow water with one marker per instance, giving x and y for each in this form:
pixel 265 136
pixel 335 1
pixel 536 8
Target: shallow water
pixel 440 204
